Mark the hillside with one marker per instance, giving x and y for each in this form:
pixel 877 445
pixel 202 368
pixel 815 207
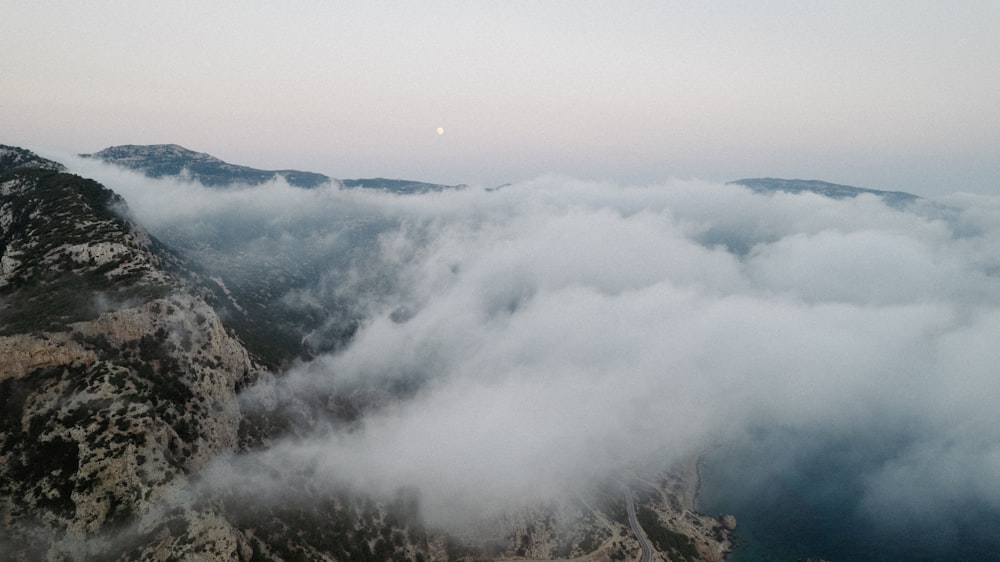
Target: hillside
pixel 117 381
pixel 397 186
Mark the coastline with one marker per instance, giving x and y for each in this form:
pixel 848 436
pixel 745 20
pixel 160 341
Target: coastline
pixel 710 536
pixel 692 477
pixel 727 521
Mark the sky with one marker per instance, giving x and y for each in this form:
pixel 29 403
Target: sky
pixel 897 95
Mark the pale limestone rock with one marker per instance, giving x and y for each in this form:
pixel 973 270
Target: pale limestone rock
pixel 127 453
pixel 24 353
pixel 8 266
pixel 98 253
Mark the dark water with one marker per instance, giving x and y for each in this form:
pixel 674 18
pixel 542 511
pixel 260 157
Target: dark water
pixel 797 496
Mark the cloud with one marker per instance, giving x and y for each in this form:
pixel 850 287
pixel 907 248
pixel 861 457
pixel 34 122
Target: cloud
pixel 555 333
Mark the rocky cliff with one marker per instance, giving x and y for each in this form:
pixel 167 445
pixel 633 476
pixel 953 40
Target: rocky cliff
pixel 117 382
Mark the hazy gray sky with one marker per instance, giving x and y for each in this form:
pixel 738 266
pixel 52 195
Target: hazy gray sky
pixel 889 95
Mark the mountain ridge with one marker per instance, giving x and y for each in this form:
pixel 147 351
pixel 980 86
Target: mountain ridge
pixel 827 189
pixel 173 160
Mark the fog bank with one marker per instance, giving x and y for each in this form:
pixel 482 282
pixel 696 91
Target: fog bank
pixel 556 333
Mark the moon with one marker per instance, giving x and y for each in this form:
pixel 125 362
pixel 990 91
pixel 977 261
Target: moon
pixel 440 130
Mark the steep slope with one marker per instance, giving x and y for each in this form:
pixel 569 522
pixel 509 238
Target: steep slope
pixel 116 382
pixel 62 241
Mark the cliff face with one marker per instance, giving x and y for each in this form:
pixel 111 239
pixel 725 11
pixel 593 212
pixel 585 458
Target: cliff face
pixel 116 382
pixel 63 244
pixel 103 422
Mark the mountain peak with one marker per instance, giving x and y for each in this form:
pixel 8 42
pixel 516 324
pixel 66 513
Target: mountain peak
pixel 13 158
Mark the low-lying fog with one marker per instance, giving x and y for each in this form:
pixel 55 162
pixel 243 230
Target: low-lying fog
pixel 559 333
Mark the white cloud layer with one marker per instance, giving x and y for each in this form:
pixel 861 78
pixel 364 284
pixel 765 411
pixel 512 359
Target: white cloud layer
pixel 559 333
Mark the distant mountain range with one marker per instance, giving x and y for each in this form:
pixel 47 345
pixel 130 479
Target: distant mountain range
pixel 397 186
pixel 832 190
pixel 171 160
pixel 161 160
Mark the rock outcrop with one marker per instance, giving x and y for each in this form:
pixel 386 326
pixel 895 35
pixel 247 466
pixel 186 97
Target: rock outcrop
pixel 116 381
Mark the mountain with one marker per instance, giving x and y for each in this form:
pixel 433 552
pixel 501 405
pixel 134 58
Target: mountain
pixel 125 433
pixel 171 160
pixel 64 240
pixel 15 158
pixel 117 381
pixel 250 287
pixel 119 388
pixel 397 186
pixel 160 160
pixel 832 190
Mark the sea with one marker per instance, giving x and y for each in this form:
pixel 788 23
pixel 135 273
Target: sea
pixel 798 496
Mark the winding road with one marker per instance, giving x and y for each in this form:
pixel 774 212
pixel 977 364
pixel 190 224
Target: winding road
pixel 633 521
